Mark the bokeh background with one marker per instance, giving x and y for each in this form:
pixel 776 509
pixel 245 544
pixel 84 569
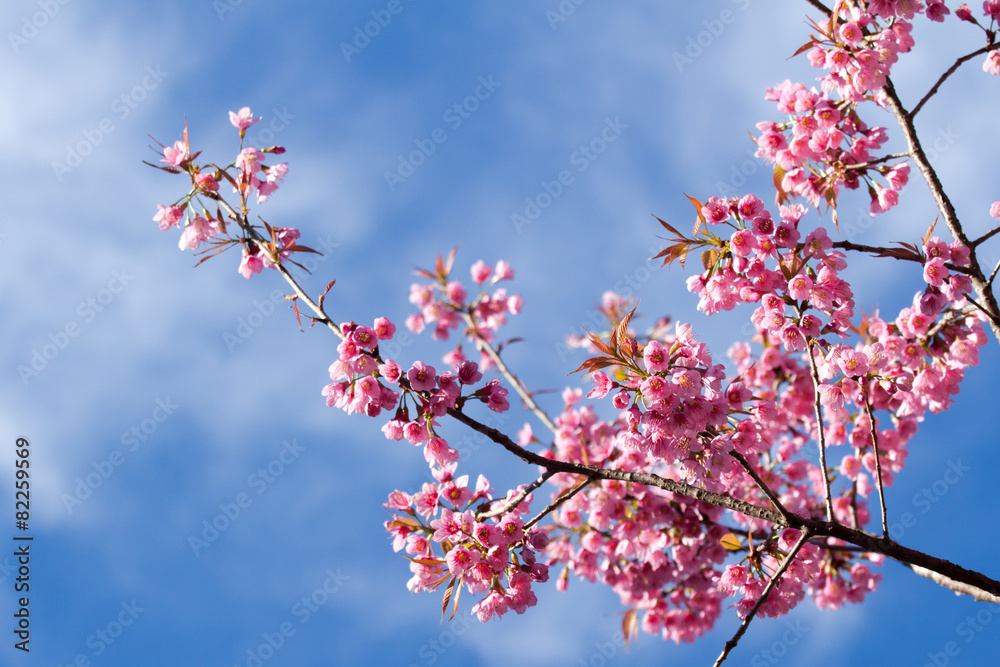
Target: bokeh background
pixel 115 579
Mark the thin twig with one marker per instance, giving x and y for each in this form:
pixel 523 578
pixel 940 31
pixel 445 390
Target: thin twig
pixel 818 528
pixel 951 70
pixel 987 236
pixel 821 434
pixel 514 381
pixel 878 464
pixel 993 275
pixel 316 308
pixel 554 505
pixel 760 482
pixel 516 500
pixel 772 582
pixel 872 163
pixel 944 204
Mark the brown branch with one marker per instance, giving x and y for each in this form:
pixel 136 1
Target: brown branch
pixel 516 500
pixel 760 483
pixel 959 588
pixel 484 346
pixel 951 70
pixel 993 275
pixel 817 527
pixel 261 242
pixel 772 582
pixel 985 237
pixel 947 209
pixel 554 505
pixel 872 163
pixel 820 433
pixel 878 464
pixel 820 6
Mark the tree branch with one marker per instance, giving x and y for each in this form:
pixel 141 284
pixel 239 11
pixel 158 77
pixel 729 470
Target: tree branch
pixel 947 209
pixel 820 433
pixel 557 502
pixel 760 483
pixel 951 70
pixel 516 500
pixel 817 527
pixel 483 345
pixel 772 582
pixel 878 464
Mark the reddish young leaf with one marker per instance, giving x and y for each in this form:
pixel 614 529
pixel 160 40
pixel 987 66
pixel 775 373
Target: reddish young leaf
pixel 701 216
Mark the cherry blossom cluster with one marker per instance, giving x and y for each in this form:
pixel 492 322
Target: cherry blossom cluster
pixel 445 303
pixel 858 384
pixel 364 382
pixel 249 177
pixel 446 540
pixel 825 145
pixel 796 285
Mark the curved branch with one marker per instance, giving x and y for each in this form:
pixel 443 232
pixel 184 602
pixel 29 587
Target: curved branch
pixel 516 500
pixel 820 432
pixel 557 502
pixel 772 582
pixel 817 527
pixel 760 483
pixel 951 70
pixel 484 346
pixel 944 204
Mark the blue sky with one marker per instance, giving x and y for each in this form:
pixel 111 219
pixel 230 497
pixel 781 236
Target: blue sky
pixel 145 395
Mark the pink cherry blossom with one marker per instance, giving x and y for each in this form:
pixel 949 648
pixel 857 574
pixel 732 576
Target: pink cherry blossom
pixel 243 118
